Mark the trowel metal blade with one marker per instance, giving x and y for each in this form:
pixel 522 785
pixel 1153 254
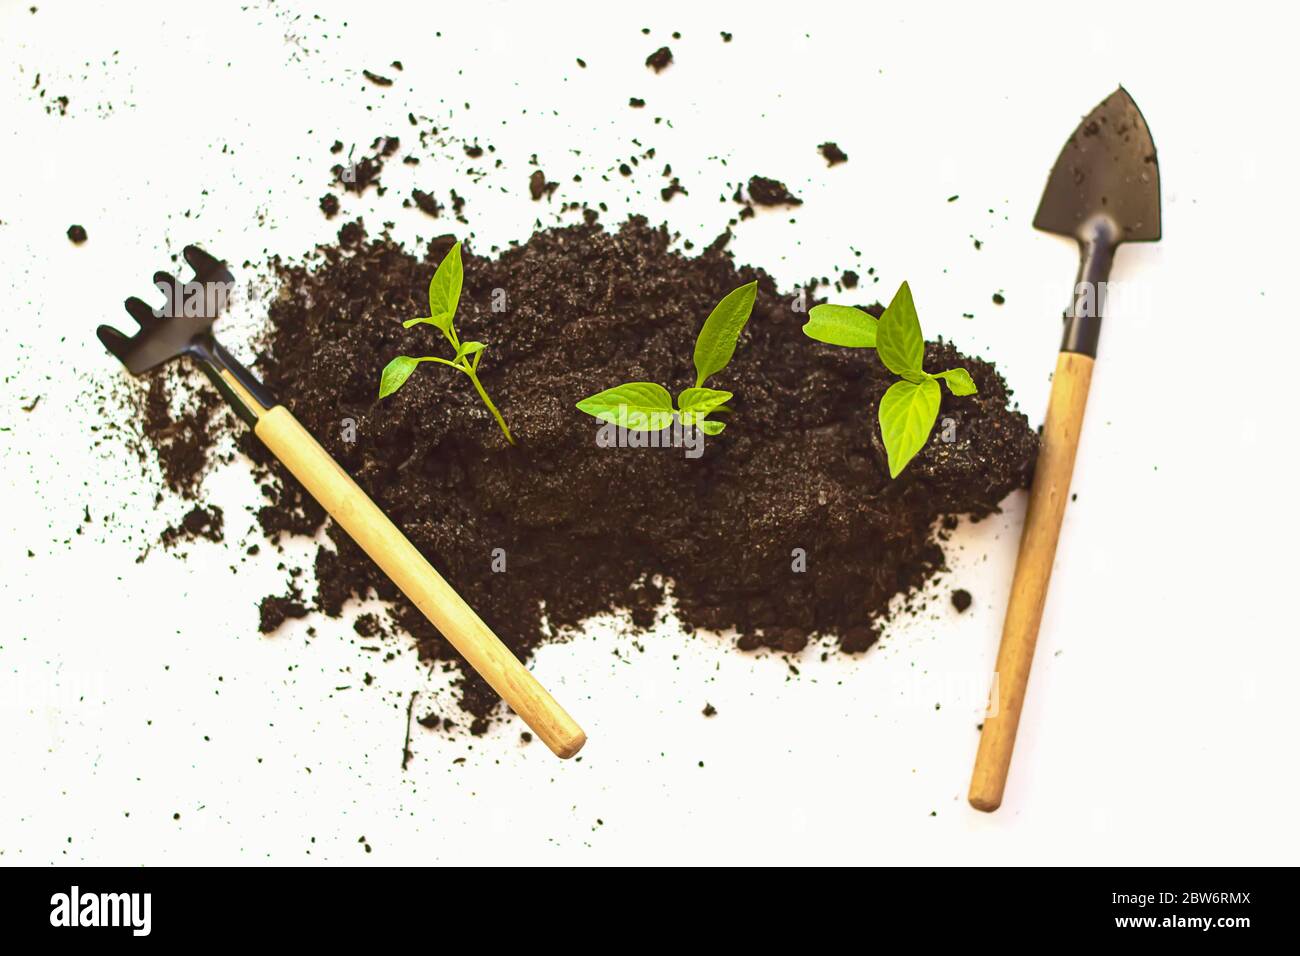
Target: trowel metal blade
pixel 1106 170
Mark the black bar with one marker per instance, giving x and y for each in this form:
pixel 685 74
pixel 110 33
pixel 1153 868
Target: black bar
pixel 994 908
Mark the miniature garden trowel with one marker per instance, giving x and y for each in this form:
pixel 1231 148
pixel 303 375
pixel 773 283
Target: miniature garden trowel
pixel 1103 190
pixel 172 331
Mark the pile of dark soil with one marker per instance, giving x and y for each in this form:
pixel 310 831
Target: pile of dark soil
pixel 786 527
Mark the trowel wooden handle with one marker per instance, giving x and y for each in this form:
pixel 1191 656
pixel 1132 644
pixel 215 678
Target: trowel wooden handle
pixel 369 527
pixel 1047 498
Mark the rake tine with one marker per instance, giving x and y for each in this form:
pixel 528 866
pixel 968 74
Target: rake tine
pixel 206 268
pixel 142 312
pixel 172 289
pixel 115 341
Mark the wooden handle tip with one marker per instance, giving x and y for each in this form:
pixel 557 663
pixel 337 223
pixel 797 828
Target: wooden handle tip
pixel 569 747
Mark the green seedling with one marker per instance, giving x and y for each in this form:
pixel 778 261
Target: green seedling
pixel 645 406
pixel 444 296
pixel 909 408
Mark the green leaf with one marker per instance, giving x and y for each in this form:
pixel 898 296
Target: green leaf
pixel 717 340
pixel 898 340
pixel 395 374
pixel 701 401
pixel 841 325
pixel 959 381
pixel 469 348
pixel 907 414
pixel 711 427
pixel 442 322
pixel 444 287
pixel 639 406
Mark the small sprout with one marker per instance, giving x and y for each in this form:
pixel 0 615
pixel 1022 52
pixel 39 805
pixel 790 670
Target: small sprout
pixel 444 297
pixel 910 407
pixel 645 406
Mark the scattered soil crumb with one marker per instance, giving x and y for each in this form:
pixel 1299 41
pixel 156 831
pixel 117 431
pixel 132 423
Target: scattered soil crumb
pixel 771 192
pixel 274 611
pixel 672 189
pixel 199 522
pixel 426 203
pixel 359 176
pixel 659 59
pixel 833 154
pixel 538 186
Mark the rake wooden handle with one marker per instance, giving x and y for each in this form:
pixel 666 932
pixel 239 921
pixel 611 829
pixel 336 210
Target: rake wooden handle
pixel 369 527
pixel 1047 498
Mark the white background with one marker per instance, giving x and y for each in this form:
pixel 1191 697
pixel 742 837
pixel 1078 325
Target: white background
pixel 1162 715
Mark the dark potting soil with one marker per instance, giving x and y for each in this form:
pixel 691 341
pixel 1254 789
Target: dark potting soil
pixel 426 203
pixel 672 189
pixel 961 599
pixel 184 440
pixel 587 529
pixel 787 526
pixel 771 192
pixel 274 611
pixel 199 522
pixel 833 154
pixel 357 177
pixel 538 186
pixel 659 59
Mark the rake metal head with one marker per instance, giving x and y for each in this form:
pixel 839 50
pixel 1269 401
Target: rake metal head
pixel 181 325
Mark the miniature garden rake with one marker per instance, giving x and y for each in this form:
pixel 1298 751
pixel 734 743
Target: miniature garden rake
pixel 167 333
